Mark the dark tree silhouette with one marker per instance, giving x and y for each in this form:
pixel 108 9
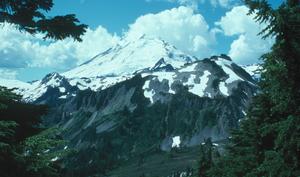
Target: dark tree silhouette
pixel 30 16
pixel 25 148
pixel 268 141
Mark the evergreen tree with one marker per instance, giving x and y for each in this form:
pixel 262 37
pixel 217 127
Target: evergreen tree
pixel 208 152
pixel 25 148
pixel 30 16
pixel 268 141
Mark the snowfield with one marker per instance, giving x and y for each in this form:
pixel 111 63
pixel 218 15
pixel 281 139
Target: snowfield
pixel 148 57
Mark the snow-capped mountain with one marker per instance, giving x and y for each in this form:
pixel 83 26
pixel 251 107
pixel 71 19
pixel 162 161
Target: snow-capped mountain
pixel 199 77
pixel 122 62
pixel 10 83
pixel 138 98
pixel 155 111
pixel 108 68
pixel 129 57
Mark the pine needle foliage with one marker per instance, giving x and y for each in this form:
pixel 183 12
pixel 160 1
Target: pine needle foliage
pixel 268 141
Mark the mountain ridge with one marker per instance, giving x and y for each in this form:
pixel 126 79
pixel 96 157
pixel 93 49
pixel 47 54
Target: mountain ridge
pixel 118 118
pixel 90 75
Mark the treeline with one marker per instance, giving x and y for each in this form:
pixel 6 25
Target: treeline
pixel 268 140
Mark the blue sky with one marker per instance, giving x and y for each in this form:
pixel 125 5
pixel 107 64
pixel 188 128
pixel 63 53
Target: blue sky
pixel 116 15
pixel 223 28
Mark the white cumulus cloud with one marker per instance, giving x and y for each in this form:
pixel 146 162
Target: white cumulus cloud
pixel 195 3
pixel 22 50
pixel 248 46
pixel 181 27
pixel 8 73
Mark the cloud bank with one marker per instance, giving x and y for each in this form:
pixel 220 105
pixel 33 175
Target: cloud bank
pixel 21 50
pixel 248 46
pixel 182 27
pixel 194 4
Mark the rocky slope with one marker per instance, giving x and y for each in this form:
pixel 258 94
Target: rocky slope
pixel 139 100
pixel 154 112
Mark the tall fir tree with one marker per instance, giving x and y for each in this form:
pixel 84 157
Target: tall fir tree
pixel 268 141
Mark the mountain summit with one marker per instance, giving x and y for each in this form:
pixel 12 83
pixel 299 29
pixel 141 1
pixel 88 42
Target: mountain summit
pixel 122 62
pixel 130 56
pixel 138 100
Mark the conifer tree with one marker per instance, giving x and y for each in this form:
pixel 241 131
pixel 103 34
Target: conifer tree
pixel 25 148
pixel 30 16
pixel 207 155
pixel 268 141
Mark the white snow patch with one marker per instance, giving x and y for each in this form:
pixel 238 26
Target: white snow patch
pixel 62 89
pixel 128 57
pixel 148 93
pixel 232 76
pixel 198 89
pixel 54 159
pixel 98 83
pixel 34 90
pixel 176 141
pixel 169 76
pixel 183 174
pixel 145 74
pixel 14 84
pixel 225 64
pixel 223 88
pixel 63 97
pixel 244 112
pixel 215 144
pixel 254 70
pixel 189 68
pixel 38 88
pixel 20 87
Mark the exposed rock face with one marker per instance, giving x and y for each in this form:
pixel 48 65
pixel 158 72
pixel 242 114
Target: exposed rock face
pixel 112 113
pixel 142 114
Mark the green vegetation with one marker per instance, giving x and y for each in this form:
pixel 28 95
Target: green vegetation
pixel 268 141
pixel 25 148
pixel 208 153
